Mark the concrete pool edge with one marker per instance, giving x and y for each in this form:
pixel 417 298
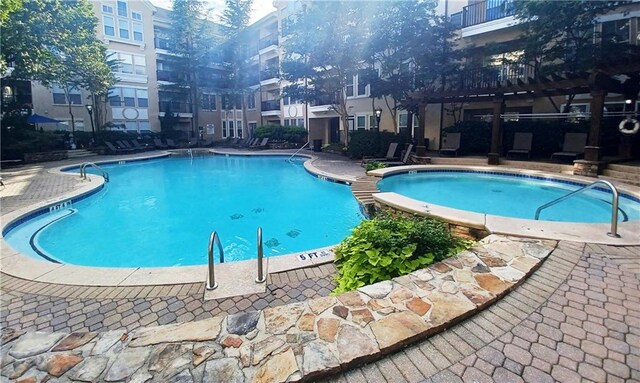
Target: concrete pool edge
pixel 19 265
pixel 579 232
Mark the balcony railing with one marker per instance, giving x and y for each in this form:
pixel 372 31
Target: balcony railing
pixel 483 11
pixel 166 75
pixel 175 107
pixel 324 100
pixel 269 73
pixel 270 105
pixel 162 43
pixel 269 40
pixel 492 77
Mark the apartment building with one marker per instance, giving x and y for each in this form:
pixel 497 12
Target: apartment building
pixel 138 34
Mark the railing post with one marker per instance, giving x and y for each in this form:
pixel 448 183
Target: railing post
pixel 261 278
pixel 614 213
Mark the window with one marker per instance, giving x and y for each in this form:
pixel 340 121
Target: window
pixel 251 101
pixel 208 101
pixel 143 98
pixel 129 97
pixel 126 63
pixel 122 9
pixel 136 15
pixel 349 89
pixel 137 32
pixel 107 9
pixel 363 89
pixel 123 29
pixel 144 125
pixel 109 26
pixel 403 120
pixel 60 98
pixel 616 31
pixel 231 131
pixel 140 65
pixel 239 128
pixel 224 129
pixel 361 122
pixel 253 126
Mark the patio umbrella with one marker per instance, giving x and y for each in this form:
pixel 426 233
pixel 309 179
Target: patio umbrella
pixel 38 119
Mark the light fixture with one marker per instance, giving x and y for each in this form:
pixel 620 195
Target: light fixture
pixel 378 115
pixel 628 101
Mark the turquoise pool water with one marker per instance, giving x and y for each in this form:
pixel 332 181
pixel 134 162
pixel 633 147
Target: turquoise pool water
pixel 509 196
pixel 162 212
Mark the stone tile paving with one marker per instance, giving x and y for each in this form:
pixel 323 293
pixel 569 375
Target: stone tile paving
pixel 31 311
pixel 577 319
pixel 290 342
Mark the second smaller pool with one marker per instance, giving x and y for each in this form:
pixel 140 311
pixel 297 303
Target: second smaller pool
pixel 509 195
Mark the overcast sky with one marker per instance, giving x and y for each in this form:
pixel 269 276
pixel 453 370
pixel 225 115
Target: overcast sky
pixel 260 7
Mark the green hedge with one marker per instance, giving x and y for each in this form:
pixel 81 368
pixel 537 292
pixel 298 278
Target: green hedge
pixel 18 141
pixel 548 135
pixel 373 143
pixel 391 245
pixel 282 133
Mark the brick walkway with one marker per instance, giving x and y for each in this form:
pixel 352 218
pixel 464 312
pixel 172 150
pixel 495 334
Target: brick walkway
pixel 576 319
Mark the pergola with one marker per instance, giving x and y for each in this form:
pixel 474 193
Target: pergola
pixel 623 79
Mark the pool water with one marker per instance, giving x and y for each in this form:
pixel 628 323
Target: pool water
pixel 508 196
pixel 162 212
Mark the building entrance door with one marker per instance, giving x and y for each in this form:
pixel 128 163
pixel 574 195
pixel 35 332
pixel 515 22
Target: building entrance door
pixel 334 130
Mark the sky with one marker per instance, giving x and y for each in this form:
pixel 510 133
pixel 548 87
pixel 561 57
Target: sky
pixel 260 7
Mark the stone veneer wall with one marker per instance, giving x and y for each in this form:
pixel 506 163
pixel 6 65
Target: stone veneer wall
pixel 293 342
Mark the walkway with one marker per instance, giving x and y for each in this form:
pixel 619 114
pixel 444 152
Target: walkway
pixel 577 318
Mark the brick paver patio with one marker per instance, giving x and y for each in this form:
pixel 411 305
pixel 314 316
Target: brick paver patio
pixel 576 319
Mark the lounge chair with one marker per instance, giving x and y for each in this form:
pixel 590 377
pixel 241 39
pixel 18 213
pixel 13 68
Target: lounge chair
pixel 158 143
pixel 115 150
pixel 262 144
pixel 138 145
pixel 521 144
pixel 405 158
pixel 391 155
pixel 243 143
pixel 573 146
pixel 171 144
pixel 123 144
pixel 451 144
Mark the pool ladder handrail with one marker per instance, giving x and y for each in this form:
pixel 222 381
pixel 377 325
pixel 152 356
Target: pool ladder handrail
pixel 614 203
pixel 83 171
pixel 211 280
pixel 298 151
pixel 215 239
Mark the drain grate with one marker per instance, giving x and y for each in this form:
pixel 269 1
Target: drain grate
pixel 294 233
pixel 273 242
pixel 236 216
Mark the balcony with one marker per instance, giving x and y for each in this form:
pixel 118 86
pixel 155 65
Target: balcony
pixel 183 109
pixel 160 43
pixel 166 75
pixel 270 105
pixel 269 75
pixel 268 41
pixel 482 12
pixel 491 77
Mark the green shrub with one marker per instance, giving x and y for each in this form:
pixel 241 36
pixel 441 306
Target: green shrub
pixel 20 140
pixel 373 165
pixel 282 133
pixel 373 143
pixel 389 246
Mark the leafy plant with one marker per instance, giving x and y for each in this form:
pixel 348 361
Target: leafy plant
pixel 389 246
pixel 282 133
pixel 373 165
pixel 371 143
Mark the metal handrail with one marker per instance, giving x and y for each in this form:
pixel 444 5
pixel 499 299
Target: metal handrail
pixel 83 171
pixel 261 278
pixel 614 204
pixel 211 280
pixel 298 151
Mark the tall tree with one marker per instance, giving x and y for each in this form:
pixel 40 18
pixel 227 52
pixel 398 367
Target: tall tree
pixel 192 39
pixel 54 42
pixel 235 19
pixel 562 36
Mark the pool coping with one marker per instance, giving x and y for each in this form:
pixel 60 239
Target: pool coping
pixel 19 265
pixel 579 232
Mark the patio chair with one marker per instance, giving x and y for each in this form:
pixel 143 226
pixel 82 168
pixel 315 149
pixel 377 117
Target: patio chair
pixel 404 161
pixel 158 143
pixel 171 144
pixel 115 150
pixel 451 144
pixel 521 144
pixel 124 144
pixel 391 155
pixel 138 145
pixel 573 146
pixel 262 144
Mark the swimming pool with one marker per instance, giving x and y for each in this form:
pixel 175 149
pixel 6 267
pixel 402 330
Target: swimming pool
pixel 509 195
pixel 161 212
